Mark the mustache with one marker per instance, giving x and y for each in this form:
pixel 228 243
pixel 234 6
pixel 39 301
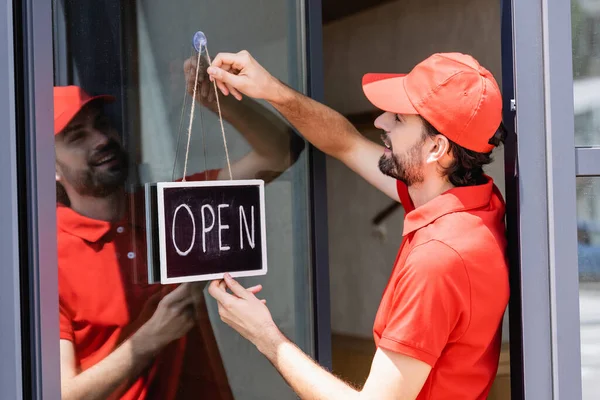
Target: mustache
pixel 112 148
pixel 386 140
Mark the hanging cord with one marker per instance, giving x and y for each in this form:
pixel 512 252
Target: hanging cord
pixel 187 150
pixel 179 133
pixel 204 144
pixel 220 118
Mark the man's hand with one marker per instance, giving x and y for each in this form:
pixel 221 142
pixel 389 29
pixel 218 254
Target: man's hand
pixel 205 94
pixel 241 73
pixel 173 318
pixel 242 311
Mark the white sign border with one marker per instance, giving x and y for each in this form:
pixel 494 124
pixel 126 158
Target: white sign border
pixel 160 186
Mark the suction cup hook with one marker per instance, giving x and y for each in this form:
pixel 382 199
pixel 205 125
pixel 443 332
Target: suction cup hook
pixel 199 41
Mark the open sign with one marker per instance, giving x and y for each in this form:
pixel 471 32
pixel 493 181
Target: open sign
pixel 206 229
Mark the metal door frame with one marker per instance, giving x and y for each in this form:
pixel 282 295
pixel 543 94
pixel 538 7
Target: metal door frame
pixel 545 343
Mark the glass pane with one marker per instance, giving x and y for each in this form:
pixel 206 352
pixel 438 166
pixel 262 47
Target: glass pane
pixel 585 16
pixel 588 237
pixel 136 51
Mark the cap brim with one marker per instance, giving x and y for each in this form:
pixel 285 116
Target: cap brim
pixel 387 92
pixel 61 123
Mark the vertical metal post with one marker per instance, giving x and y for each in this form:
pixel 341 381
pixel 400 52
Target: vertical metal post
pixel 37 201
pixel 533 273
pixel 548 274
pixel 318 191
pixel 11 378
pixel 562 202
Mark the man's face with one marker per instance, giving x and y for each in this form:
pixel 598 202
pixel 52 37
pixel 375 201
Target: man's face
pixel 89 157
pixel 403 137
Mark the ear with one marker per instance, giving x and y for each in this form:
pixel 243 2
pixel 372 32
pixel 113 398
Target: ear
pixel 58 174
pixel 438 147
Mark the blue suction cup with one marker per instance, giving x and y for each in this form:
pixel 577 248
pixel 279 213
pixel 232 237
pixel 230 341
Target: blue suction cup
pixel 199 41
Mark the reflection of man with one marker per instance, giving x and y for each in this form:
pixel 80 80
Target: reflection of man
pixel 437 330
pixel 121 338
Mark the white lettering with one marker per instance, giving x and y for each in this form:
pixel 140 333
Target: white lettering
pixel 205 230
pixel 183 253
pixel 222 227
pixel 243 217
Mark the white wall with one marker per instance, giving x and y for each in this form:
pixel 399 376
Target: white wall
pixel 390 38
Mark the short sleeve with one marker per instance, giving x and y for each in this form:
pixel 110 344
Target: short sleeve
pixel 431 303
pixel 65 325
pixel 404 196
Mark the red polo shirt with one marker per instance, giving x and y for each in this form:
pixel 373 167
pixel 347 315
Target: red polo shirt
pixel 448 291
pixel 102 292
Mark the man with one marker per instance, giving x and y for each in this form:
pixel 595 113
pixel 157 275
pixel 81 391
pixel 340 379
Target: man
pixel 121 338
pixel 438 327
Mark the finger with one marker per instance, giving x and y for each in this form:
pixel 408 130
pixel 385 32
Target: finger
pixel 221 75
pixel 237 61
pixel 223 313
pixel 255 289
pixel 236 288
pixel 223 87
pixel 263 301
pixel 197 292
pixel 218 292
pixel 205 89
pixel 188 65
pixel 234 92
pixel 181 293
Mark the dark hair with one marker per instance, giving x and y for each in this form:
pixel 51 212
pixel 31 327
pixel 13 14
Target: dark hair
pixel 61 195
pixel 467 167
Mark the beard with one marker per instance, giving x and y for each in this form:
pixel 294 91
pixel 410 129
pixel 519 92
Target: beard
pixel 407 168
pixel 98 182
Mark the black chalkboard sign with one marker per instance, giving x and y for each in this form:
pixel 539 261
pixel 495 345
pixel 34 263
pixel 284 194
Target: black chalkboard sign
pixel 206 229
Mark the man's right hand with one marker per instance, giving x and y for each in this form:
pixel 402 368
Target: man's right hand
pixel 173 318
pixel 241 74
pixel 323 127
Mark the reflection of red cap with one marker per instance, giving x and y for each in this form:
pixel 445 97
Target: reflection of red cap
pixel 68 101
pixel 451 91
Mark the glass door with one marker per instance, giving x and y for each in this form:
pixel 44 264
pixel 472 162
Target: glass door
pixel 83 175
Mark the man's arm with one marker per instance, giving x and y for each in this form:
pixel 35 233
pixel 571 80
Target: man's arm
pixel 325 128
pixel 393 375
pixel 104 378
pixel 174 316
pixel 275 147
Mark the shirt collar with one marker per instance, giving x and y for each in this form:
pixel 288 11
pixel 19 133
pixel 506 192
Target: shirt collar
pixel 457 199
pixel 92 230
pixel 89 229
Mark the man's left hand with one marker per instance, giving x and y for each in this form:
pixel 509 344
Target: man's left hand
pixel 242 310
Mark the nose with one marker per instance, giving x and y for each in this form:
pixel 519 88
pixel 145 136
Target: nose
pixel 99 139
pixel 382 122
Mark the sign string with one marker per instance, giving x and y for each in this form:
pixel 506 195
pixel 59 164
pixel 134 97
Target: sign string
pixel 192 118
pixel 179 132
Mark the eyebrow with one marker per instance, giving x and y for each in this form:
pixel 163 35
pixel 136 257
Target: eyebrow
pixel 71 129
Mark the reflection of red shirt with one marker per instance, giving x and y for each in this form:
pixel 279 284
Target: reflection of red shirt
pixel 448 291
pixel 102 291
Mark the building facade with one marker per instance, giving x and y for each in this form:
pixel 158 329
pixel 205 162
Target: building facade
pixel 331 238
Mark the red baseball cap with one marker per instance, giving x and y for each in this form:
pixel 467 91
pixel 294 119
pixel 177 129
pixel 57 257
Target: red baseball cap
pixel 68 101
pixel 451 91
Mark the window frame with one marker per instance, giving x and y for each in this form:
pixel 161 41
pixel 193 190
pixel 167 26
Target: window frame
pixel 546 336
